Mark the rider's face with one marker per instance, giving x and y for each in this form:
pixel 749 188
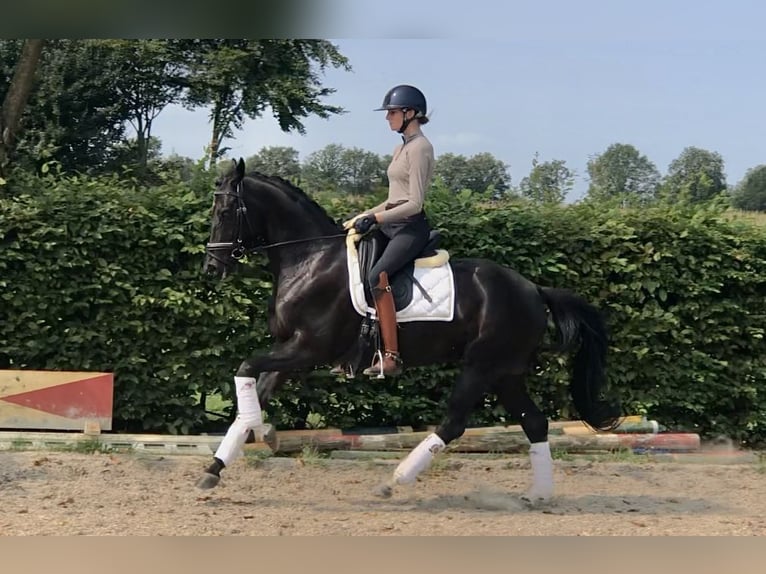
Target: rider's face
pixel 395 119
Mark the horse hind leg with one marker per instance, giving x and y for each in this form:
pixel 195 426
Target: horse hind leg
pixel 467 393
pixel 513 395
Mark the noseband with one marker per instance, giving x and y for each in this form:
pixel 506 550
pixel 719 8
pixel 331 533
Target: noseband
pixel 237 246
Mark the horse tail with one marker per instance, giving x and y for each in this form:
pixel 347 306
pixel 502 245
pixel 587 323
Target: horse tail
pixel 578 321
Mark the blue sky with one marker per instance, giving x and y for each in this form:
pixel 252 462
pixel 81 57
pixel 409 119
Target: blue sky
pixel 565 79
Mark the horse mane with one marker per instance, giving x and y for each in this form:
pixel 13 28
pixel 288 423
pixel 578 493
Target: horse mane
pixel 295 193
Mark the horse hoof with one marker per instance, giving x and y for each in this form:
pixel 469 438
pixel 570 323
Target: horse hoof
pixel 534 500
pixel 383 490
pixel 208 481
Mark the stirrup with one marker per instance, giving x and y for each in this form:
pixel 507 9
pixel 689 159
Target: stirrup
pixel 346 370
pixel 371 370
pixel 380 374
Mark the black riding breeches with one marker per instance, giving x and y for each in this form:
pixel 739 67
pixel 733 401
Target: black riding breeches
pixel 407 240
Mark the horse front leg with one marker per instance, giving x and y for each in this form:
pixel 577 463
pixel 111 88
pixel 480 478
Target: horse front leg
pixel 273 369
pixel 249 419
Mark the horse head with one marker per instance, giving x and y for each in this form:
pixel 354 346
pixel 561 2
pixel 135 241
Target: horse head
pixel 230 233
pixel 257 212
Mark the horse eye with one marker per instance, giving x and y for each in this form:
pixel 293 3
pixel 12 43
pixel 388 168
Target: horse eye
pixel 218 183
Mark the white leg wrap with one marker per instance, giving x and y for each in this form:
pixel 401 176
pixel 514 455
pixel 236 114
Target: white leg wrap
pixel 419 459
pixel 542 471
pixel 248 417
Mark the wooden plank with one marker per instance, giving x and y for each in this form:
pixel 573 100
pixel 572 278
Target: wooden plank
pixel 55 400
pixel 558 427
pixel 325 438
pixel 147 443
pixel 492 440
pixel 363 446
pixel 643 427
pixel 27 440
pixel 293 443
pixel 666 442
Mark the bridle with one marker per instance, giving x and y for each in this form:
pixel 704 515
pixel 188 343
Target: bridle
pixel 237 246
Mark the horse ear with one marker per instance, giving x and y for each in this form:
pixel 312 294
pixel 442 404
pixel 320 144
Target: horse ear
pixel 239 170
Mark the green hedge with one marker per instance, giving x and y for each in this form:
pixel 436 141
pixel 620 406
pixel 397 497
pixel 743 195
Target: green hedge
pixel 97 274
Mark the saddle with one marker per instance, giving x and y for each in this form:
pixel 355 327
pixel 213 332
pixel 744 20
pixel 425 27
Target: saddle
pixel 402 283
pixel 366 251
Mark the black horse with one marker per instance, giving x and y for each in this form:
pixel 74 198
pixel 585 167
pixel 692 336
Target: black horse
pixel 495 334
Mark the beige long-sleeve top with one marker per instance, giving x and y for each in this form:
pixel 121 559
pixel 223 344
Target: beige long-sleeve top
pixel 409 177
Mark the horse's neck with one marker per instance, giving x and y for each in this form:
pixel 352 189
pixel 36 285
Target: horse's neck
pixel 299 271
pixel 283 229
pixel 300 241
pixel 304 259
pixel 289 221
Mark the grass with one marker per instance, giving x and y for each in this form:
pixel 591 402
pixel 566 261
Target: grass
pixel 311 455
pixel 439 464
pixel 254 458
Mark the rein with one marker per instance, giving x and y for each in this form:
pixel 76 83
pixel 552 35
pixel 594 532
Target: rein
pixel 238 249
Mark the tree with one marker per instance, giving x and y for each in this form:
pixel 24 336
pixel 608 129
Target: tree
pixel 750 193
pixel 478 173
pixel 452 170
pixel 696 174
pixel 324 169
pixel 385 161
pixel 181 167
pixel 621 171
pixel 548 181
pixel 362 171
pixel 75 116
pixel 276 160
pixel 15 99
pixel 344 170
pixel 148 76
pixel 239 79
pixel 488 173
pixel 126 152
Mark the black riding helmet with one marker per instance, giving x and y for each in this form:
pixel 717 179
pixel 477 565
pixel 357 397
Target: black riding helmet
pixel 405 97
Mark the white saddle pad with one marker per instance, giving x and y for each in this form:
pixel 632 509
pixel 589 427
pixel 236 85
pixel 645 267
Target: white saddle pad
pixel 437 281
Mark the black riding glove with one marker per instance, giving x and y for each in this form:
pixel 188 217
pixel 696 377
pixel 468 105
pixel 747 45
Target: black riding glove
pixel 363 224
